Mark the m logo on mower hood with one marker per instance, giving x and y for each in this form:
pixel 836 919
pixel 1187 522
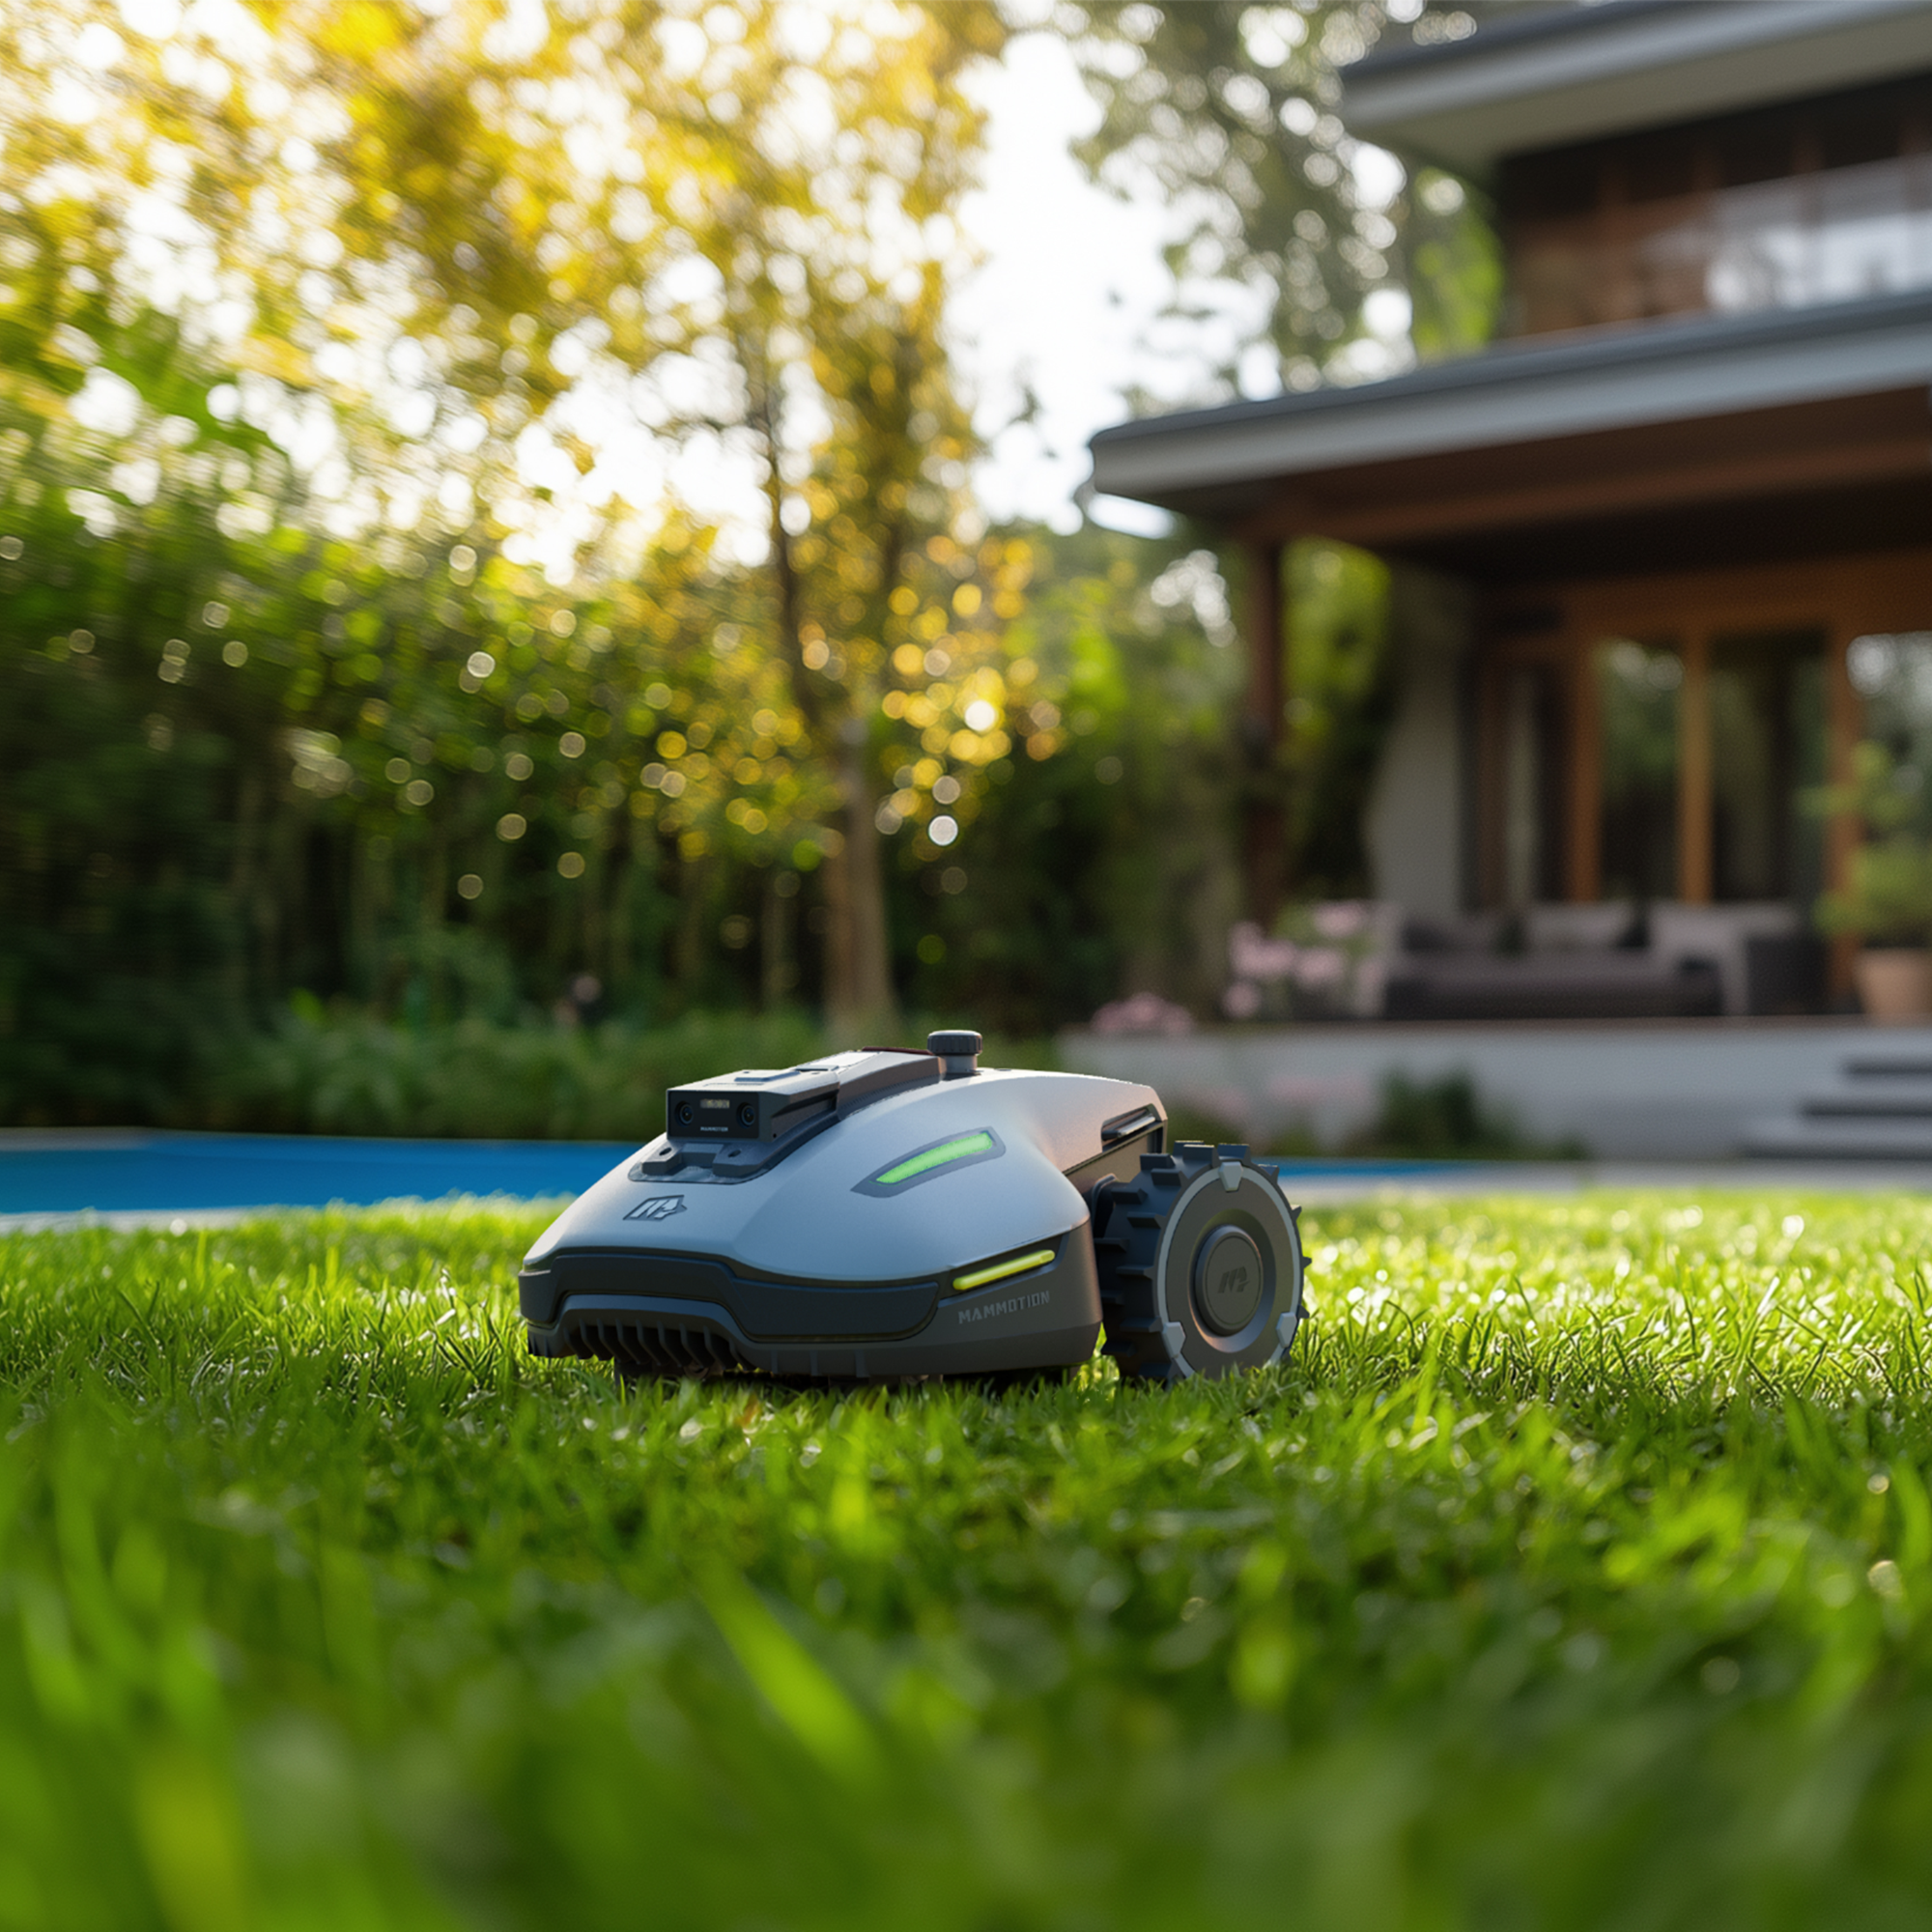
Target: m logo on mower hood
pixel 658 1207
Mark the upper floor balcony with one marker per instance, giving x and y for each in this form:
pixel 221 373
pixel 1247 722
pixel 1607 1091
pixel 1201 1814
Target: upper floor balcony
pixel 1820 201
pixel 1646 158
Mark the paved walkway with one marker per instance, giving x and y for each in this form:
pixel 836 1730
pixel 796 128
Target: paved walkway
pixel 1321 1183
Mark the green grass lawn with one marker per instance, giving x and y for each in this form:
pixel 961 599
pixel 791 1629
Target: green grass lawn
pixel 1575 1571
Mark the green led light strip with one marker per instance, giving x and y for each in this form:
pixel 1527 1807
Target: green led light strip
pixel 1000 1271
pixel 947 1151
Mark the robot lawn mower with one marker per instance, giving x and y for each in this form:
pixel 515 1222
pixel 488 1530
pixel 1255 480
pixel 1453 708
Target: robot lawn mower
pixel 886 1214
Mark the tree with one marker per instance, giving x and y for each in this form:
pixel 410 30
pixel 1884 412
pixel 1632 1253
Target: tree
pixel 828 257
pixel 1229 110
pixel 440 248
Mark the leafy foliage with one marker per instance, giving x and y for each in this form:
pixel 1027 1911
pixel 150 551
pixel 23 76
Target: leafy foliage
pixel 1231 111
pixel 1446 1120
pixel 1888 894
pixel 1341 685
pixel 337 666
pixel 471 1080
pixel 1100 859
pixel 235 767
pixel 414 776
pixel 1576 1571
pixel 456 251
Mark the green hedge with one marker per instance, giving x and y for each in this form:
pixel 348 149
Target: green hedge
pixel 358 1075
pixel 349 1073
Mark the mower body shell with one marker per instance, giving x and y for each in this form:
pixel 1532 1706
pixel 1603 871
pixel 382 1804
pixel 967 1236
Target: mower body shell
pixel 940 1228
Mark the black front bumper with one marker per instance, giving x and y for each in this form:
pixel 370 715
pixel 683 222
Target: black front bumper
pixel 688 1315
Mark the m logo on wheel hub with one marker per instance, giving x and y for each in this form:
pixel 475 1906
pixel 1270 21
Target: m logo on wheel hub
pixel 1227 1278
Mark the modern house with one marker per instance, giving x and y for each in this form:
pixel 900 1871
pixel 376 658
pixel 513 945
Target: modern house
pixel 1675 527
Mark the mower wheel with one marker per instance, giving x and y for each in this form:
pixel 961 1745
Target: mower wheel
pixel 1200 1266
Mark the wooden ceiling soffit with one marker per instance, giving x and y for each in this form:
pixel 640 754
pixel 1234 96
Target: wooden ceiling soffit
pixel 1395 523
pixel 1281 519
pixel 1861 441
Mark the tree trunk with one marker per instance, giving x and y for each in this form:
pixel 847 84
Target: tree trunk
pixel 778 974
pixel 693 932
pixel 858 981
pixel 840 1013
pixel 246 904
pixel 857 970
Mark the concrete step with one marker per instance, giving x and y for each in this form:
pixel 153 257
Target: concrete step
pixel 1874 1087
pixel 1887 1067
pixel 1807 1137
pixel 1865 1105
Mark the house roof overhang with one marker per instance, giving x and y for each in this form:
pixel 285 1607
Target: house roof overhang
pixel 1574 72
pixel 1609 448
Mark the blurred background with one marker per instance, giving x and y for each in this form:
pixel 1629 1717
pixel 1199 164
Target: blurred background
pixel 541 548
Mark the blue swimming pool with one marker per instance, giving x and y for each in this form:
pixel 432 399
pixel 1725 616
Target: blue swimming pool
pixel 154 1173
pixel 123 1173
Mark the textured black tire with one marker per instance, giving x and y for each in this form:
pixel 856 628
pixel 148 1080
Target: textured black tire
pixel 1179 1248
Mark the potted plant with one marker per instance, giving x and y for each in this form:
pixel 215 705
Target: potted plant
pixel 1887 902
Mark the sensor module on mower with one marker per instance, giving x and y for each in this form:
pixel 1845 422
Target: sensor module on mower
pixel 889 1214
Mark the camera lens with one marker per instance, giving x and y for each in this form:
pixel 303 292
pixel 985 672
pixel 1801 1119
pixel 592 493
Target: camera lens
pixel 684 1113
pixel 748 1115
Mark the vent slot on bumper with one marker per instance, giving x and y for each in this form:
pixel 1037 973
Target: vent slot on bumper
pixel 762 1310
pixel 662 1345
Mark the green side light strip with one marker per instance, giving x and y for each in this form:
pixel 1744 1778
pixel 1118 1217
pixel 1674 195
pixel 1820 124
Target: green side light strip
pixel 947 1151
pixel 1000 1271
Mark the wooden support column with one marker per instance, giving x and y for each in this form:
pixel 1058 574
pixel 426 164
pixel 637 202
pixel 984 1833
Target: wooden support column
pixel 1693 773
pixel 1265 817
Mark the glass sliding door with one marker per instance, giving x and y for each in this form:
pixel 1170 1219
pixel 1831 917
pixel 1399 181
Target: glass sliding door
pixel 1534 722
pixel 1768 750
pixel 1664 742
pixel 1639 691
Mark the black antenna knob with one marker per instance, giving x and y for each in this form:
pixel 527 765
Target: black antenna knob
pixel 958 1052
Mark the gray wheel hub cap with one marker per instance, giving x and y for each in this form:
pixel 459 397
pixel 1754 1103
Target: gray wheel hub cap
pixel 1227 1280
